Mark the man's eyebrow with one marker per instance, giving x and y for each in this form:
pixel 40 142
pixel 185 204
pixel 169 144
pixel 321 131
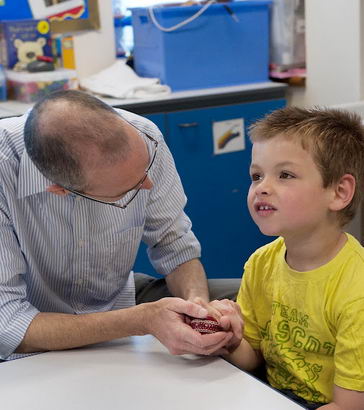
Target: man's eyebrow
pixel 114 196
pixel 126 192
pixel 129 190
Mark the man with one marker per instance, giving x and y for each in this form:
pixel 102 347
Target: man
pixel 78 192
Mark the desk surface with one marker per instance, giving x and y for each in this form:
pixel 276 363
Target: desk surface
pixel 133 373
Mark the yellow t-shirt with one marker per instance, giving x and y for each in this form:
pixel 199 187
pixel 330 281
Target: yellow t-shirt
pixel 308 325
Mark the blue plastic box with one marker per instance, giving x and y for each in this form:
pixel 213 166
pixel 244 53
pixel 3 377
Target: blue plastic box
pixel 3 93
pixel 226 45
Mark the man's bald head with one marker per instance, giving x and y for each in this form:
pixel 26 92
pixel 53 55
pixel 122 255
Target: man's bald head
pixel 69 131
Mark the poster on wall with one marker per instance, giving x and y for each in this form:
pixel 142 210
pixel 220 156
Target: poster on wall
pixel 15 10
pixel 58 9
pixel 68 15
pixel 64 15
pixel 228 136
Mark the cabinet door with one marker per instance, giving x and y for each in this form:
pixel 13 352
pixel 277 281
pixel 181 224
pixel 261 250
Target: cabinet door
pixel 216 184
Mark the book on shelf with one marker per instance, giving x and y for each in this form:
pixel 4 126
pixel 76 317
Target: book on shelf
pixel 22 41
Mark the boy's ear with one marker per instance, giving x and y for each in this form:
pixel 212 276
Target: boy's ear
pixel 58 190
pixel 343 192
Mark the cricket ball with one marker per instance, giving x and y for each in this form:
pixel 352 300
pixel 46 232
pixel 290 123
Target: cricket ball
pixel 206 326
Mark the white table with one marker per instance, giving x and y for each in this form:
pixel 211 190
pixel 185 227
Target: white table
pixel 131 374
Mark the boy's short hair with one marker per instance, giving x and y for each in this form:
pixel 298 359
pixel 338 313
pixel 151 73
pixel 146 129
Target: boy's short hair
pixel 335 138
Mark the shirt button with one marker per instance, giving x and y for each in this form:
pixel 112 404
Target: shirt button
pixel 81 242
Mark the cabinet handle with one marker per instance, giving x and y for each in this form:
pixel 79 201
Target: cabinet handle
pixel 188 125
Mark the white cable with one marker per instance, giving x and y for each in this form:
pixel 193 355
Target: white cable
pixel 182 23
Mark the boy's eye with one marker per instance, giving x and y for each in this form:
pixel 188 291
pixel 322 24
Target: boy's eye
pixel 286 175
pixel 255 177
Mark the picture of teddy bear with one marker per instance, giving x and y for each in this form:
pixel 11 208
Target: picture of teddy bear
pixel 28 51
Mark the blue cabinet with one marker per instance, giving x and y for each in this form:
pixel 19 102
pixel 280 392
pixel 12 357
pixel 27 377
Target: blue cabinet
pixel 216 185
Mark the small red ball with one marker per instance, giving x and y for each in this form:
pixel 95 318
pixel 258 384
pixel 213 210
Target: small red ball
pixel 206 326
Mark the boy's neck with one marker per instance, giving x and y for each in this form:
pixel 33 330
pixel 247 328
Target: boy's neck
pixel 315 251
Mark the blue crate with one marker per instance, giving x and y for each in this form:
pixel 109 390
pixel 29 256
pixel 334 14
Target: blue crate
pixel 3 93
pixel 214 50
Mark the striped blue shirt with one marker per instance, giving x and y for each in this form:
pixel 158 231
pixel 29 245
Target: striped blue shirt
pixel 72 255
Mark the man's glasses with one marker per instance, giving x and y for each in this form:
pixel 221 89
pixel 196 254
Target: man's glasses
pixel 137 187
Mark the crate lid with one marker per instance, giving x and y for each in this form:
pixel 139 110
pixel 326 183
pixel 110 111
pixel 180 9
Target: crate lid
pixel 56 75
pixel 214 8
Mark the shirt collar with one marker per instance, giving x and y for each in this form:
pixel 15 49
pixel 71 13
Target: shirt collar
pixel 30 180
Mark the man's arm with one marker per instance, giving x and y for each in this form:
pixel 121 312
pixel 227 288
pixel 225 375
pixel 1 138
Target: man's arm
pixel 164 319
pixel 58 331
pixel 345 400
pixel 188 281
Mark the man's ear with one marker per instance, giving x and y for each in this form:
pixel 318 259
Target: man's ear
pixel 58 190
pixel 343 192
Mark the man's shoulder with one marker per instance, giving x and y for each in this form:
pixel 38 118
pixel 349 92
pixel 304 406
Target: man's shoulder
pixel 140 123
pixel 11 138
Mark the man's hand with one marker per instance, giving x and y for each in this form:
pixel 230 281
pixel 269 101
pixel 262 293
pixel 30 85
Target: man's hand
pixel 167 322
pixel 229 316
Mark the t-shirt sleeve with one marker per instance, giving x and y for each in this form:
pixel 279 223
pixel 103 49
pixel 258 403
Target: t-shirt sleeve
pixel 349 350
pixel 246 296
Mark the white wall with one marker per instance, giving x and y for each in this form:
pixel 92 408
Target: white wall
pixel 334 53
pixel 95 50
pixel 335 63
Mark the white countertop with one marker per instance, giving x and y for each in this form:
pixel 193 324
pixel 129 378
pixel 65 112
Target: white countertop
pixel 133 374
pixel 12 108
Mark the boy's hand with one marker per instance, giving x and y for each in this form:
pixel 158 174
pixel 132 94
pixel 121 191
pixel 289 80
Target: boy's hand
pixel 229 316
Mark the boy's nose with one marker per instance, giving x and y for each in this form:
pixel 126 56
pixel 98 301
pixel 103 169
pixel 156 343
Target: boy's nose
pixel 264 188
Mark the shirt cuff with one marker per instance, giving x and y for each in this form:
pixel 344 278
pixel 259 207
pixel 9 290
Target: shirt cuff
pixel 166 259
pixel 15 330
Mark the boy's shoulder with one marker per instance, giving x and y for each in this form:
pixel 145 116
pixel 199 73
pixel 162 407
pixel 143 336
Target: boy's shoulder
pixel 351 256
pixel 355 246
pixel 268 253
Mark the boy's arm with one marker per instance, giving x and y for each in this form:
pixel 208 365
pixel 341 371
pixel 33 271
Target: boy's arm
pixel 245 357
pixel 345 400
pixel 349 352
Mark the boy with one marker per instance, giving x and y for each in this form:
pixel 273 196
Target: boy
pixel 302 296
